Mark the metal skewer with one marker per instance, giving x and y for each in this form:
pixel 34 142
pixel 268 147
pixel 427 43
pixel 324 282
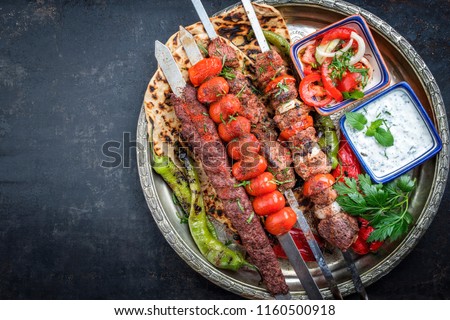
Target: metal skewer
pixel 286 241
pixel 291 198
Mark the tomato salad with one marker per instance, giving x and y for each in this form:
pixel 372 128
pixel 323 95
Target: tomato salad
pixel 335 68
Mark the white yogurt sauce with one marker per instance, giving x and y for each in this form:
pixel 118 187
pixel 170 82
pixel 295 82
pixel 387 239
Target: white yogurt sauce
pixel 411 135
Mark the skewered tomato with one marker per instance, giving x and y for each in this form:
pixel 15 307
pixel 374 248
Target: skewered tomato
pixel 269 203
pixel 245 145
pixel 304 122
pixel 281 221
pixel 227 106
pixel 204 69
pixel 212 90
pixel 312 93
pixel 317 183
pixel 234 128
pixel 246 170
pixel 285 78
pixel 262 184
pixel 328 82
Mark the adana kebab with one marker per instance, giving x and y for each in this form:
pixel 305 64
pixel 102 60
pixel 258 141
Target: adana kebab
pixel 234 127
pixel 199 130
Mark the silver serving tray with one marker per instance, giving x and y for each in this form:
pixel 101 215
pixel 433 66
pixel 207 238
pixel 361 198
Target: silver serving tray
pixel 304 17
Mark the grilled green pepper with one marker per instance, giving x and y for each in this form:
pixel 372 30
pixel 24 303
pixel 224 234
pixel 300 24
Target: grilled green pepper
pixel 211 248
pixel 328 140
pixel 274 39
pixel 174 177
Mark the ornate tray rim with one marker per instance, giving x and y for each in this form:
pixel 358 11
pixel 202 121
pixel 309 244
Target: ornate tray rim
pixel 431 205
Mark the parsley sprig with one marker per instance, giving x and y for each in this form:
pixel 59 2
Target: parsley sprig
pixel 385 206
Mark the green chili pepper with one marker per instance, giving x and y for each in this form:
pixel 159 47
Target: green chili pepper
pixel 174 177
pixel 329 140
pixel 274 39
pixel 211 248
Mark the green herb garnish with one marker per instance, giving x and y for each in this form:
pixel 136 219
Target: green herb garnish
pixel 383 136
pixel 356 94
pixel 384 206
pixel 227 73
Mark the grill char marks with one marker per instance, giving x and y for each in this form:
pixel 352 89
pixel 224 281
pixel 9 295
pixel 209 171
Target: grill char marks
pixel 201 134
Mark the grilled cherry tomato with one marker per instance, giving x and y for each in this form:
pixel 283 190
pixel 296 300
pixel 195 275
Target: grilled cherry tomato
pixel 273 84
pixel 313 94
pixel 304 122
pixel 342 33
pixel 281 221
pixel 246 170
pixel 328 82
pixel 350 81
pixel 348 162
pixel 204 69
pixel 227 106
pixel 300 243
pixel 269 203
pixel 212 90
pixel 262 184
pixel 234 128
pixel 317 183
pixel 245 145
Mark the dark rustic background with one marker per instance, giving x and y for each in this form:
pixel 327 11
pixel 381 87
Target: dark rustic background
pixel 72 77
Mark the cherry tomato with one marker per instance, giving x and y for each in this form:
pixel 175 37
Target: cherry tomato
pixel 262 184
pixel 328 82
pixel 300 243
pixel 317 183
pixel 273 84
pixel 212 90
pixel 234 128
pixel 350 81
pixel 204 69
pixel 304 122
pixel 227 106
pixel 342 33
pixel 246 170
pixel 281 221
pixel 312 94
pixel 245 145
pixel 269 203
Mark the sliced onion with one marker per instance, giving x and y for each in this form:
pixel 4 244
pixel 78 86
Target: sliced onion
pixel 361 48
pixel 335 53
pixel 366 62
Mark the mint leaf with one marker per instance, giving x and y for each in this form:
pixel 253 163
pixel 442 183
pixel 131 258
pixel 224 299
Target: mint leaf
pixel 356 120
pixel 356 94
pixel 384 137
pixel 373 127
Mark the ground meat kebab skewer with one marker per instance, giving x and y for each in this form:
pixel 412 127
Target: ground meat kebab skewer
pixel 337 227
pixel 201 133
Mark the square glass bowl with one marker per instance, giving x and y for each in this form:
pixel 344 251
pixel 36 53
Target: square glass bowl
pixel 380 78
pixel 415 137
